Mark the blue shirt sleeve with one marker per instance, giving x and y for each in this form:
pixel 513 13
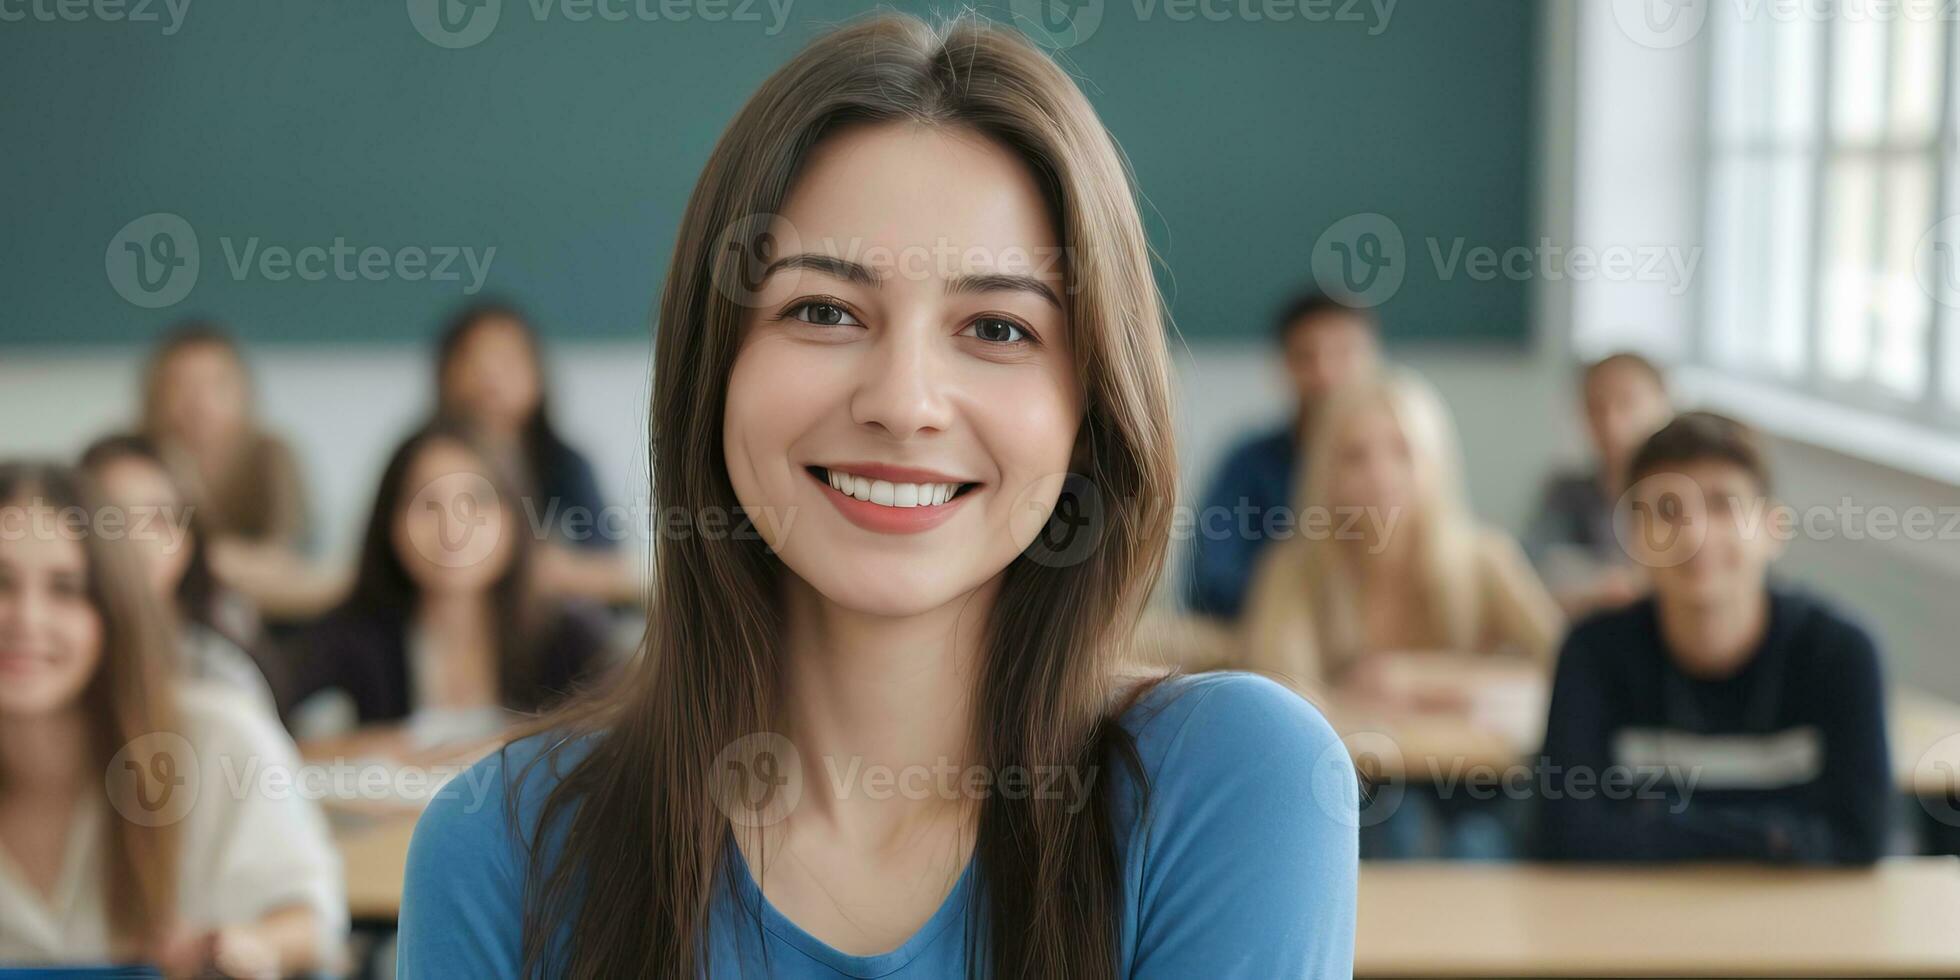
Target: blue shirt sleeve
pixel 462 897
pixel 1246 860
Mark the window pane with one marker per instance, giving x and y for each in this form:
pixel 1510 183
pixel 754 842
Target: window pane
pixel 1858 78
pixel 1916 71
pixel 1787 298
pixel 1904 310
pixel 1847 268
pixel 1798 55
pixel 1727 243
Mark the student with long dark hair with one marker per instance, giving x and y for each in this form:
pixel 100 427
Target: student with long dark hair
pixel 443 628
pixel 217 630
pixel 882 725
pixel 120 838
pixel 490 375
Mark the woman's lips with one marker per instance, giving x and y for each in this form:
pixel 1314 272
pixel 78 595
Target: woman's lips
pixel 885 519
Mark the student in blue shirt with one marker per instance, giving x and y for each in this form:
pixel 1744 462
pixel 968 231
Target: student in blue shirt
pixel 911 386
pixel 1325 344
pixel 1728 716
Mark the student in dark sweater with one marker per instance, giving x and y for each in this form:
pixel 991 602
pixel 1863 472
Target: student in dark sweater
pixel 1725 717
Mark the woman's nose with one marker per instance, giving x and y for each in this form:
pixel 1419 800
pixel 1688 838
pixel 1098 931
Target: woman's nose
pixel 905 385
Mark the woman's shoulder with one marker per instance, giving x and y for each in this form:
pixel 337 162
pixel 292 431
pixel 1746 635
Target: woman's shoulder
pixel 1194 729
pixel 491 809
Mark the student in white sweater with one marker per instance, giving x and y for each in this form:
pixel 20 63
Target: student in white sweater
pixel 138 819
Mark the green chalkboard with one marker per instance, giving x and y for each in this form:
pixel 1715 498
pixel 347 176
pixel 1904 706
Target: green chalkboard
pixel 380 146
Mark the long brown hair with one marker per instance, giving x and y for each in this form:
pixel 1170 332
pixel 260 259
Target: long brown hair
pixel 644 843
pixel 385 591
pixel 129 696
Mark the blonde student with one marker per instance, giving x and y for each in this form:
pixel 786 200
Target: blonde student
pixel 909 326
pixel 124 836
pixel 1389 590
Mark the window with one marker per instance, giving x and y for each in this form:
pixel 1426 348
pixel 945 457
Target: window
pixel 1831 163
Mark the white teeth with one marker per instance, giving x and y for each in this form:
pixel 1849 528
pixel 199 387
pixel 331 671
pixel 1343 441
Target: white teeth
pixel 888 494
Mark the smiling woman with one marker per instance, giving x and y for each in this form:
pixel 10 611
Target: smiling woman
pixel 911 333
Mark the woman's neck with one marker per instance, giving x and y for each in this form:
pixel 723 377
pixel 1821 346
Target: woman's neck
pixel 865 695
pixel 44 754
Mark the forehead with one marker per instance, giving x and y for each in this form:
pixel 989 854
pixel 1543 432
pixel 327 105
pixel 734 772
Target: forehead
pixel 945 195
pixel 1620 379
pixel 36 537
pixel 1710 475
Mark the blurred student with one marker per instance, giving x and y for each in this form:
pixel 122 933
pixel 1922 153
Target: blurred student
pixel 444 630
pixel 1739 718
pixel 489 374
pixel 245 482
pixel 1389 598
pixel 1571 540
pixel 216 629
pixel 108 852
pixel 1387 574
pixel 1324 344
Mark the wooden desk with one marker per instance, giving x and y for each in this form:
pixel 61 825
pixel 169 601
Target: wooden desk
pixel 1521 920
pixel 373 858
pixel 1924 735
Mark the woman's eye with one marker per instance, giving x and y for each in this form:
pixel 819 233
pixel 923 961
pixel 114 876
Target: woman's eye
pixel 995 330
pixel 823 314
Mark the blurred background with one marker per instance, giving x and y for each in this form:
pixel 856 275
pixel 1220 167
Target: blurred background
pixel 1552 181
pixel 1756 196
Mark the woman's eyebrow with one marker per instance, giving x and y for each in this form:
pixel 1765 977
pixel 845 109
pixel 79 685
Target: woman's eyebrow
pixel 993 282
pixel 828 265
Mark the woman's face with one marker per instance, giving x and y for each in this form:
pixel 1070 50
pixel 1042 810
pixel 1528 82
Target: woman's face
pixel 452 532
pixel 153 516
pixel 50 632
pixel 1373 465
pixel 492 379
pixel 201 395
pixel 907 340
